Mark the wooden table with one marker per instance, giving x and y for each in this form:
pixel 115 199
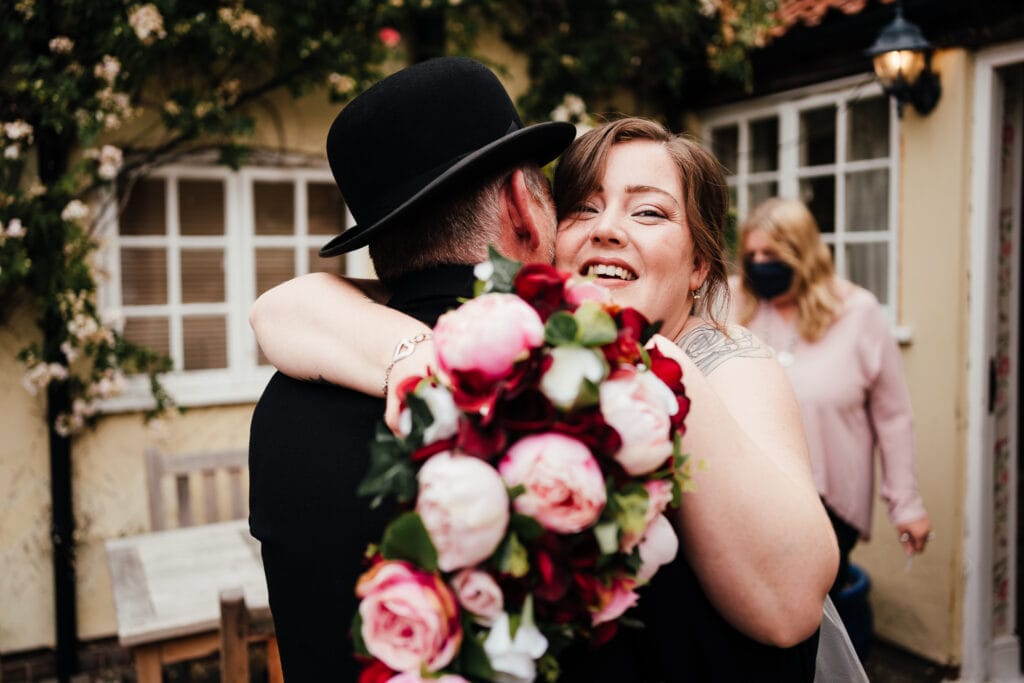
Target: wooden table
pixel 166 588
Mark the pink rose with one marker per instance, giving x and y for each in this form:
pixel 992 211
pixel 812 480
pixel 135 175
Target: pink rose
pixel 614 600
pixel 414 677
pixel 639 407
pixel 410 618
pixel 579 290
pixel 464 506
pixel 659 546
pixel 659 495
pixel 565 489
pixel 479 594
pixel 488 335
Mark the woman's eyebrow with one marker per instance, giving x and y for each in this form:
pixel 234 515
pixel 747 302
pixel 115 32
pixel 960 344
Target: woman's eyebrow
pixel 642 189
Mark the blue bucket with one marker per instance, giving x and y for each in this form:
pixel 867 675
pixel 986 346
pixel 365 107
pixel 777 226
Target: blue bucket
pixel 855 610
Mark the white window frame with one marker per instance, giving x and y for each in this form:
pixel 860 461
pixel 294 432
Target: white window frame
pixel 243 380
pixel 787 107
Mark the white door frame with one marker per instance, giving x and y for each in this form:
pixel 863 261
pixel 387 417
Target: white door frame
pixel 982 657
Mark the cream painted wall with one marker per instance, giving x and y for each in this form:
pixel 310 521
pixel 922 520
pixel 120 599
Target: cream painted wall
pixel 109 489
pixel 921 609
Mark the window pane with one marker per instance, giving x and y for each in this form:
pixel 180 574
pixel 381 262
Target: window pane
pixel 762 191
pixel 143 276
pixel 273 266
pixel 818 136
pixel 151 332
pixel 335 264
pixel 201 205
pixel 868 266
pixel 819 194
pixel 868 126
pixel 145 212
pixel 326 209
pixel 867 200
pixel 273 208
pixel 202 275
pixel 764 145
pixel 725 143
pixel 205 342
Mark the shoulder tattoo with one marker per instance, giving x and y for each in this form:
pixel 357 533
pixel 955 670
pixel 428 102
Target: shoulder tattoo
pixel 708 347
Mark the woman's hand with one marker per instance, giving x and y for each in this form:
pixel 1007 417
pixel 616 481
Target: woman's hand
pixel 915 535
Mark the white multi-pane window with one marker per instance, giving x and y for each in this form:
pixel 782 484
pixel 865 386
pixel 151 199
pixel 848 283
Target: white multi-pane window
pixel 192 249
pixel 834 148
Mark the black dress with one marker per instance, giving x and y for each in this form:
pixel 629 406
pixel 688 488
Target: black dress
pixel 685 639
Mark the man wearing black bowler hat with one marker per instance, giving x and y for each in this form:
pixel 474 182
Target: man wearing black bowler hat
pixel 434 164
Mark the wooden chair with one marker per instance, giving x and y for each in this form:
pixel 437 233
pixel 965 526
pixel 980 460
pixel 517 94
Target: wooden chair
pixel 181 465
pixel 240 626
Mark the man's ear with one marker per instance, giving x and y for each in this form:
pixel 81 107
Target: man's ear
pixel 522 236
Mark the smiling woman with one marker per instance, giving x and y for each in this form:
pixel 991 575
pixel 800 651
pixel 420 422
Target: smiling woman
pixel 643 212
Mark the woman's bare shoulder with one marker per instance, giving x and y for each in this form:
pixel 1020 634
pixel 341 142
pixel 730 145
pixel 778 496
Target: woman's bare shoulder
pixel 709 346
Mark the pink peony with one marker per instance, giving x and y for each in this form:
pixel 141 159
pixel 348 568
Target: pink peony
pixel 479 594
pixel 659 546
pixel 487 335
pixel 579 290
pixel 659 495
pixel 410 618
pixel 464 506
pixel 565 489
pixel 639 407
pixel 414 677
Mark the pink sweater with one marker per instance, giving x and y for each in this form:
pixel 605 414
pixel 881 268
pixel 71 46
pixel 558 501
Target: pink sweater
pixel 852 397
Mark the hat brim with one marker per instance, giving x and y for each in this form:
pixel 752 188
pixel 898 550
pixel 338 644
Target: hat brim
pixel 540 143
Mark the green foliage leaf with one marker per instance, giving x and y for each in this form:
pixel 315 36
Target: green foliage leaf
pixel 526 527
pixel 390 472
pixel 405 538
pixel 505 271
pixel 511 556
pixel 596 327
pixel 472 661
pixel 561 329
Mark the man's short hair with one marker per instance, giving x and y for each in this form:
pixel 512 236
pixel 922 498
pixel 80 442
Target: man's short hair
pixel 453 228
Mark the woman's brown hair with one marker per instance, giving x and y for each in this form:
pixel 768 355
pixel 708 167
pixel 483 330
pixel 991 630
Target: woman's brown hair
pixel 794 234
pixel 705 196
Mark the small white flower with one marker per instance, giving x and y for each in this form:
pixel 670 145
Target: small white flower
pixel 571 365
pixel 341 84
pixel 15 229
pixel 61 45
pixel 17 130
pixel 107 69
pixel 147 22
pixel 76 211
pixel 483 271
pixel 11 152
pixel 69 351
pixel 515 660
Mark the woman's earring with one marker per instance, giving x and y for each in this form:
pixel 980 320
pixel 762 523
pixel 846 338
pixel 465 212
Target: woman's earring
pixel 695 294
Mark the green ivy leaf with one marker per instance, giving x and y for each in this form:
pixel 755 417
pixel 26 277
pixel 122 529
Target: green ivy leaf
pixel 505 271
pixel 405 538
pixel 561 329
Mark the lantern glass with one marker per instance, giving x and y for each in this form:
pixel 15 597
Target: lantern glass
pixel 898 67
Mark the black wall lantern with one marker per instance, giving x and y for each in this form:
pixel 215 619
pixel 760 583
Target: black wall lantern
pixel 903 64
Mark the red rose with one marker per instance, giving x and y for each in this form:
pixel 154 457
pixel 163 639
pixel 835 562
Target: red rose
pixel 376 672
pixel 542 286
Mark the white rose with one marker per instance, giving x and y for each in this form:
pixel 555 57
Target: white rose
pixel 442 407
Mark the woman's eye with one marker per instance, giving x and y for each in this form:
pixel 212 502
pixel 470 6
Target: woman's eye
pixel 585 208
pixel 649 213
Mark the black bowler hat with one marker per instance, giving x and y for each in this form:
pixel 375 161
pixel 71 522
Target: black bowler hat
pixel 419 131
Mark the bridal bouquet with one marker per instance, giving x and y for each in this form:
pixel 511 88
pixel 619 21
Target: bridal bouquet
pixel 531 473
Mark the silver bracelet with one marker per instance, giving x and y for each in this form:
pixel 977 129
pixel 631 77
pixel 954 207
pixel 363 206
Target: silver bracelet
pixel 403 349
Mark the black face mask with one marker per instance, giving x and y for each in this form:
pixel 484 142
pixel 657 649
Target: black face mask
pixel 769 279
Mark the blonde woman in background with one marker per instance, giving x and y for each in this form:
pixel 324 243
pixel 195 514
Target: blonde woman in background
pixel 834 342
